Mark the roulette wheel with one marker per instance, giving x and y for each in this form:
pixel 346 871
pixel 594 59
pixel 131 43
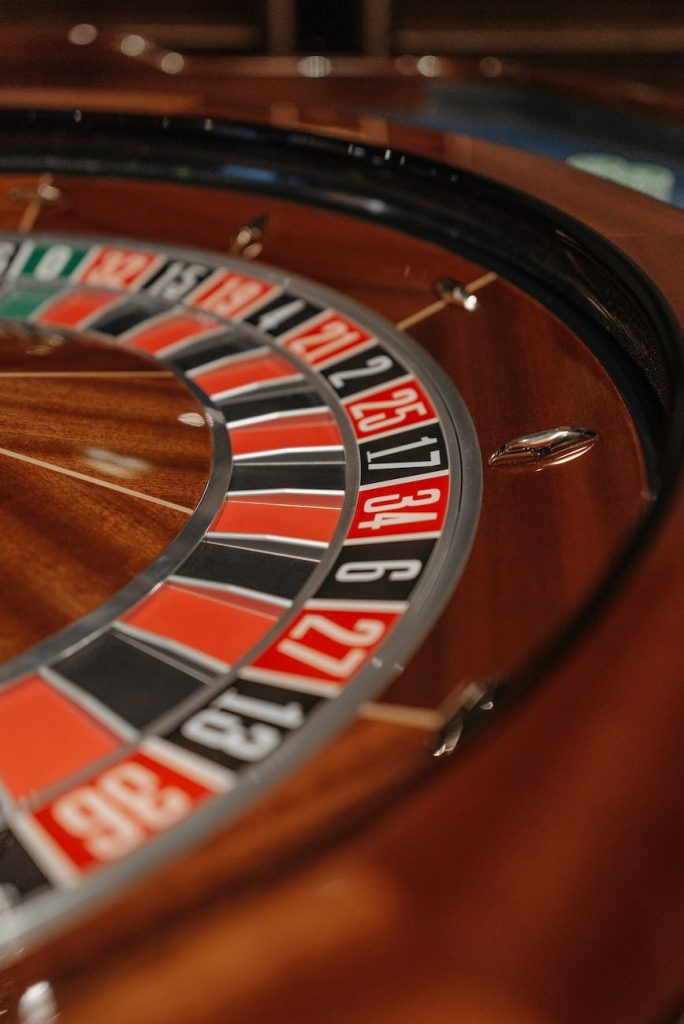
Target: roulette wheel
pixel 325 455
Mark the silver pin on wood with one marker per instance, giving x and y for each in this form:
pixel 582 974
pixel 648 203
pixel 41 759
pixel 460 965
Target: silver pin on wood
pixel 450 293
pixel 544 448
pixel 248 242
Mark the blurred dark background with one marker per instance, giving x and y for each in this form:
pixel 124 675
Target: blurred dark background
pixel 599 83
pixel 639 35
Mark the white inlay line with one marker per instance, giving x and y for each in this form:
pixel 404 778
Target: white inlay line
pixel 86 373
pixel 428 719
pixel 94 480
pixel 440 304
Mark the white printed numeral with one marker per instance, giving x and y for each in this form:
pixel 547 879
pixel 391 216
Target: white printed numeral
pixel 221 730
pixel 366 633
pixel 114 267
pixel 385 509
pixel 433 461
pixel 52 262
pixel 177 280
pixel 403 402
pixel 396 570
pixel 325 341
pixel 374 365
pixel 113 814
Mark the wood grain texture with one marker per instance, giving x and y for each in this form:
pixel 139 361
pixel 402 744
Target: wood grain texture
pixel 537 879
pixel 69 544
pixel 519 368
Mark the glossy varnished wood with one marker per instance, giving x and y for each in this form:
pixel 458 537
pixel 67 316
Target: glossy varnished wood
pixel 68 543
pixel 535 880
pixel 518 367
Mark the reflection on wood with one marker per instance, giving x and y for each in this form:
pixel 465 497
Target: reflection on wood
pixel 537 879
pixel 99 475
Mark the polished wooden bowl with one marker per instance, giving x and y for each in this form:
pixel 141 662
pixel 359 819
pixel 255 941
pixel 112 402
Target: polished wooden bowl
pixel 533 875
